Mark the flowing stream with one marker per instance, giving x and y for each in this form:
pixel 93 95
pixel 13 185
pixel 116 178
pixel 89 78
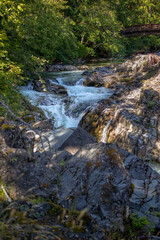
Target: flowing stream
pixel 68 110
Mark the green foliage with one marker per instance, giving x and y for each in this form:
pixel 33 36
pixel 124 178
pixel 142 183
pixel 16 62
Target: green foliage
pixel 136 12
pixel 96 27
pixel 141 223
pixel 33 33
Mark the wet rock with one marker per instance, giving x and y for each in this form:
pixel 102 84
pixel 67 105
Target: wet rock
pixel 46 85
pixel 95 120
pixel 87 72
pixel 57 89
pixel 95 79
pixel 104 69
pixel 39 85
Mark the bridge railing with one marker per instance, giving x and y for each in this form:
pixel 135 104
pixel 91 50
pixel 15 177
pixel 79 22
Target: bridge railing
pixel 141 30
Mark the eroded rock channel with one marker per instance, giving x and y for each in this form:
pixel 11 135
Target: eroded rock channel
pixel 93 179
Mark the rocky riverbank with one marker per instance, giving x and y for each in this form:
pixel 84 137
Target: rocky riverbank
pixel 65 184
pixel 133 110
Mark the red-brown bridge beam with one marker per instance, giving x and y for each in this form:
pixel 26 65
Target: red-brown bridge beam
pixel 141 30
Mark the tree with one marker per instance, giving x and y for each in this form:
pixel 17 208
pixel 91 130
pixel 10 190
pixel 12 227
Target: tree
pixel 96 26
pixel 32 33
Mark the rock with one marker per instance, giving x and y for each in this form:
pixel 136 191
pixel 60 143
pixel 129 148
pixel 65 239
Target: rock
pixel 49 86
pixel 69 139
pixel 145 199
pixel 104 69
pixel 46 124
pixel 108 181
pixel 140 64
pixel 101 77
pixel 57 89
pixel 87 72
pixel 11 155
pixel 95 120
pixel 58 68
pixel 14 137
pixel 96 179
pixel 82 67
pixel 76 140
pixel 39 85
pixel 52 140
pixel 133 112
pixel 135 124
pixel 95 79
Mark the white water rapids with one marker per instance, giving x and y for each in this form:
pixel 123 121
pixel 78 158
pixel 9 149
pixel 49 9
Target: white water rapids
pixel 68 110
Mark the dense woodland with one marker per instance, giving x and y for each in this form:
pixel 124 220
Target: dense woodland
pixel 35 32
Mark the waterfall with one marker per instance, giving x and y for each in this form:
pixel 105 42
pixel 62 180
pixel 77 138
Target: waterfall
pixel 68 110
pixel 104 133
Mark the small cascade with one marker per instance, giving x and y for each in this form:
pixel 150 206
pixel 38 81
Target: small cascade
pixel 154 165
pixel 104 133
pixel 80 81
pixel 66 111
pixel 30 86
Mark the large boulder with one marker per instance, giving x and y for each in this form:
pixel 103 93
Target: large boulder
pixel 69 139
pixel 95 79
pixel 96 179
pixel 57 89
pixel 76 140
pixel 46 85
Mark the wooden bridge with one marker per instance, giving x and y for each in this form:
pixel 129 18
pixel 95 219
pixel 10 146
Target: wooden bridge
pixel 141 30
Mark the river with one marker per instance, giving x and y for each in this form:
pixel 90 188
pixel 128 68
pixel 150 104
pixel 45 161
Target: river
pixel 68 110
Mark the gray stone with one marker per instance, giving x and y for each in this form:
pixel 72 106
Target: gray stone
pixel 95 179
pixel 76 140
